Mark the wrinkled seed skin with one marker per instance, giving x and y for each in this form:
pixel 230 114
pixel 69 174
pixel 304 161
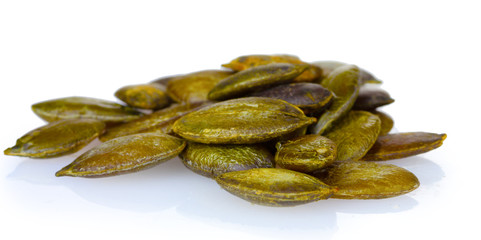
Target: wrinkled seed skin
pixel 254 79
pixel 242 121
pixel 401 145
pixel 313 73
pixel 367 180
pixel 306 153
pixel 387 123
pixel 194 87
pixel 84 107
pixel 159 121
pixel 274 186
pixel 144 96
pixel 309 97
pixel 212 160
pixel 57 138
pixel 370 99
pixel 344 83
pixel 354 135
pixel 124 155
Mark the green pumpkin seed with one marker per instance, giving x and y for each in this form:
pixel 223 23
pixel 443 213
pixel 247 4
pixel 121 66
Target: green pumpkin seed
pixel 354 135
pixel 368 180
pixel 329 66
pixel 159 121
pixel 57 138
pixel 124 155
pixel 306 153
pixel 371 98
pixel 401 145
pixel 144 96
pixel 241 121
pixel 213 160
pixel 84 107
pixel 274 186
pixel 309 97
pixel 195 87
pixel 344 84
pixel 255 78
pixel 387 123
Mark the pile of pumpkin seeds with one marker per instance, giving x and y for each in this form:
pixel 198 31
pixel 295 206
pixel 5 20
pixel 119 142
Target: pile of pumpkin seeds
pixel 270 129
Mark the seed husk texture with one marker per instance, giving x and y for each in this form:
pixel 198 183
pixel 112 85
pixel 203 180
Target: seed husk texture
pixel 144 96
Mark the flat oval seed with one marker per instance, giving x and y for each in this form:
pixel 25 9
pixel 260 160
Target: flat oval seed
pixel 124 155
pixel 144 96
pixel 159 121
pixel 370 99
pixel 387 123
pixel 368 180
pixel 195 87
pixel 309 97
pixel 213 160
pixel 84 107
pixel 344 84
pixel 354 135
pixel 401 145
pixel 254 79
pixel 241 121
pixel 274 186
pixel 313 73
pixel 306 153
pixel 329 66
pixel 57 138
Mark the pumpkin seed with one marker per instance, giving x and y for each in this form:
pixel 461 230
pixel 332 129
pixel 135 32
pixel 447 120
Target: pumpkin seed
pixel 387 122
pixel 213 160
pixel 274 186
pixel 329 66
pixel 84 107
pixel 306 153
pixel 309 97
pixel 145 96
pixel 164 80
pixel 57 138
pixel 313 73
pixel 371 98
pixel 159 121
pixel 401 145
pixel 254 79
pixel 124 155
pixel 355 134
pixel 368 180
pixel 194 87
pixel 344 84
pixel 241 121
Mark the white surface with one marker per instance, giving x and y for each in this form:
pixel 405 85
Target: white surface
pixel 427 53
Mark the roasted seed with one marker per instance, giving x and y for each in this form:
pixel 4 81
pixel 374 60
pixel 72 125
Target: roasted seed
pixel 144 96
pixel 371 98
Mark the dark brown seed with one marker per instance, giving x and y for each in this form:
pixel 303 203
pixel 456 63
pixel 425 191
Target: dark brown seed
pixel 57 138
pixel 213 160
pixel 368 180
pixel 309 97
pixel 371 98
pixel 401 145
pixel 144 96
pixel 274 186
pixel 124 155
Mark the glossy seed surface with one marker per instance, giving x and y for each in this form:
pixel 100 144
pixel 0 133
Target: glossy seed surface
pixel 254 79
pixel 309 97
pixel 372 98
pixel 212 160
pixel 84 107
pixel 242 121
pixel 195 87
pixel 159 121
pixel 144 96
pixel 306 153
pixel 274 186
pixel 401 145
pixel 344 84
pixel 354 135
pixel 329 66
pixel 368 180
pixel 57 138
pixel 313 73
pixel 124 155
pixel 387 123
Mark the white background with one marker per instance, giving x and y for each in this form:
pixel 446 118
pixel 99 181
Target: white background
pixel 426 52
